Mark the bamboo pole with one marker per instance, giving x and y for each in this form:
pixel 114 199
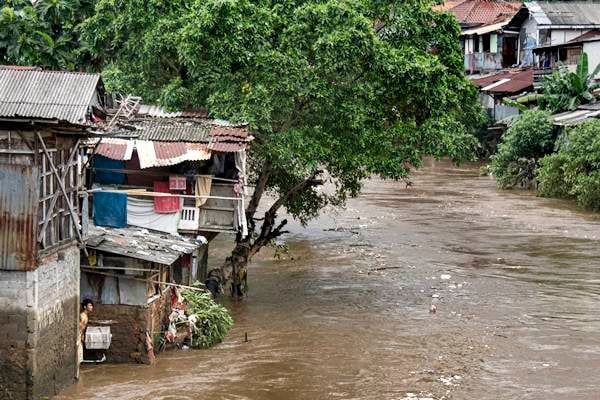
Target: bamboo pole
pixel 93 271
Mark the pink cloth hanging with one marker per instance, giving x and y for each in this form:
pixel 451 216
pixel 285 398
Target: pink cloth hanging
pixel 165 204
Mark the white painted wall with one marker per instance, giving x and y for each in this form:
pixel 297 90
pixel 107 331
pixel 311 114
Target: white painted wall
pixel 564 35
pixel 593 51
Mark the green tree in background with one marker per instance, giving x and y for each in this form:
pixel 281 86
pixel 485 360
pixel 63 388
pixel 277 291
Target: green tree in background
pixel 334 91
pixel 43 33
pixel 527 140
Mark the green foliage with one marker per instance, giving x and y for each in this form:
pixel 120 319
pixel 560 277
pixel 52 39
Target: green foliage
pixel 574 170
pixel 214 320
pixel 354 87
pixel 565 90
pixel 43 32
pixel 528 139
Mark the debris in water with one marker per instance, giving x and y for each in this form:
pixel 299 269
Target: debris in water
pixel 445 276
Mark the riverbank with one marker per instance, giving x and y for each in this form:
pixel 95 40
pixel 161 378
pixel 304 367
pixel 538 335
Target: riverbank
pixel 516 319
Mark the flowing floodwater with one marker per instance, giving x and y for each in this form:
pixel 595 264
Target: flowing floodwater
pixel 345 315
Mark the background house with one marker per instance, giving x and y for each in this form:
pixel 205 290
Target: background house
pixel 488 39
pixel 44 117
pixel 558 32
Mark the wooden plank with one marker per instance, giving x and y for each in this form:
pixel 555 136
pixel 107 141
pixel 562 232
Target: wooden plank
pixel 55 194
pixel 62 188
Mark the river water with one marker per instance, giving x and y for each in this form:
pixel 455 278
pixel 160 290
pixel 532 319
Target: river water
pixel 345 314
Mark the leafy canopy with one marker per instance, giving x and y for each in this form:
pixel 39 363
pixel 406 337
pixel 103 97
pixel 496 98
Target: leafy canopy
pixel 43 32
pixel 354 87
pixel 528 139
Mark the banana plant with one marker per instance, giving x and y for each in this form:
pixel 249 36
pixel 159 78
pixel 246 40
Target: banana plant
pixel 565 90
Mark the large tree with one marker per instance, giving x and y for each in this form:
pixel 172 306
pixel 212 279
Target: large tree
pixel 334 91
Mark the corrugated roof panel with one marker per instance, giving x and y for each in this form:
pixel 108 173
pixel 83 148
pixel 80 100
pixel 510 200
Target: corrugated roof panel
pixel 175 132
pixel 18 216
pixel 63 96
pixel 218 130
pixel 115 149
pixel 224 147
pixel 565 12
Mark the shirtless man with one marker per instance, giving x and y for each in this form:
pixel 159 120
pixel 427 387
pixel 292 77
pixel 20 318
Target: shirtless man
pixel 86 308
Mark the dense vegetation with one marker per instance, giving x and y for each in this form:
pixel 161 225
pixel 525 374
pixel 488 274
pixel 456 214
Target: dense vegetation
pixel 574 170
pixel 44 33
pixel 528 139
pixel 526 158
pixel 213 321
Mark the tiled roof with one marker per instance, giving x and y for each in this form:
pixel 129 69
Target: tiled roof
pixel 482 12
pixel 51 95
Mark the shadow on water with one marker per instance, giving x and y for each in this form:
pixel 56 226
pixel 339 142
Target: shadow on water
pixel 346 314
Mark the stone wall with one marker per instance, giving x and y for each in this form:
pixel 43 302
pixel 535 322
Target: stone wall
pixel 39 314
pixel 128 326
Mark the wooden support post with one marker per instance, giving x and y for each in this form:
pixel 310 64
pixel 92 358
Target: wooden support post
pixel 64 191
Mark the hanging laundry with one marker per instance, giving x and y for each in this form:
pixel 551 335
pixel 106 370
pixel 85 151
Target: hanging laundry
pixel 110 209
pixel 108 177
pixel 140 212
pixel 203 184
pixel 165 204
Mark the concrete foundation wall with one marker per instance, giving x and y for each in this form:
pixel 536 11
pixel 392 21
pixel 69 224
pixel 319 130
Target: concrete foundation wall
pixel 39 314
pixel 128 326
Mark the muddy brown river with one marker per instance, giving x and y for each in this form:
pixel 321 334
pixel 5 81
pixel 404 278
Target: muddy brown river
pixel 345 315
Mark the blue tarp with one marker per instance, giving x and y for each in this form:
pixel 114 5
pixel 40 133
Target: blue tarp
pixel 110 209
pixel 107 177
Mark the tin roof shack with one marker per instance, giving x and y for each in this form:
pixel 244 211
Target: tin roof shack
pixel 44 116
pixel 180 172
pixel 556 31
pixel 495 87
pixel 488 38
pixel 129 274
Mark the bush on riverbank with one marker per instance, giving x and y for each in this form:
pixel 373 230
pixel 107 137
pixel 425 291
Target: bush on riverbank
pixel 528 139
pixel 574 170
pixel 212 320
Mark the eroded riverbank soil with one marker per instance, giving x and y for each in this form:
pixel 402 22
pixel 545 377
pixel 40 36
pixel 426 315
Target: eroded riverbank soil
pixel 345 315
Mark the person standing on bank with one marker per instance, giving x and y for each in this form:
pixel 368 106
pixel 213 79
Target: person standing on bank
pixel 86 308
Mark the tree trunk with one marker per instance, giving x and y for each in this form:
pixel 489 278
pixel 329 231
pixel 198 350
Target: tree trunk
pixel 232 274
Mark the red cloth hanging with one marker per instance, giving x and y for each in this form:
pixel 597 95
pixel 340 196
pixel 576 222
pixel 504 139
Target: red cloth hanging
pixel 165 205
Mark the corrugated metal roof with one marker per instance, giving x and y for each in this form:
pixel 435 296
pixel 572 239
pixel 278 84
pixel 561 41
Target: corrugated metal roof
pixel 511 81
pixel 565 13
pixel 140 244
pixel 159 112
pixel 18 216
pixel 575 117
pixel 186 132
pixel 160 154
pixel 115 149
pixel 52 95
pixel 482 12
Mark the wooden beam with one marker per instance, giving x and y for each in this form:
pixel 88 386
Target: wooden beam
pixel 49 211
pixel 62 188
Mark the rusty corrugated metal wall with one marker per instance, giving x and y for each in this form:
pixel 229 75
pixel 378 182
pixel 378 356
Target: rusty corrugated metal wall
pixel 18 216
